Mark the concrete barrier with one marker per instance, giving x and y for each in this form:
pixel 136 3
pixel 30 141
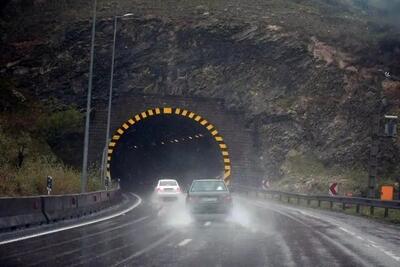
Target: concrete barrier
pixel 26 211
pixel 58 208
pixel 90 202
pixel 21 212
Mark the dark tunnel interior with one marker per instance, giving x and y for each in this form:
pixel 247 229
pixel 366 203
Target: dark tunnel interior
pixel 165 147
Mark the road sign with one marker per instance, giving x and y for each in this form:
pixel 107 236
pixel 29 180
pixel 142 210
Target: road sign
pixel 333 189
pixel 265 184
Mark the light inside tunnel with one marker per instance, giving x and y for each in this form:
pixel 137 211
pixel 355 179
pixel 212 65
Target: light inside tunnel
pixel 165 147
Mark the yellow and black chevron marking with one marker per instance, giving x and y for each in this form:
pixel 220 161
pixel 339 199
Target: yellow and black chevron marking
pixel 169 111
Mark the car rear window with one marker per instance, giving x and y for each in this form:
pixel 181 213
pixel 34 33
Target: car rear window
pixel 168 183
pixel 207 186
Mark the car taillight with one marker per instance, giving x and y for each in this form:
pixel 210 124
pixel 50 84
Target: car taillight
pixel 159 189
pixel 228 199
pixel 178 189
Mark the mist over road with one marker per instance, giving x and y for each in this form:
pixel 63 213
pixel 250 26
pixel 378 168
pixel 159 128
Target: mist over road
pixel 257 233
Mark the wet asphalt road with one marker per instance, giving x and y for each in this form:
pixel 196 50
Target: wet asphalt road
pixel 257 234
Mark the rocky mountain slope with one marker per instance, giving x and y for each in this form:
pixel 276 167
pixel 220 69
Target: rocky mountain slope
pixel 309 75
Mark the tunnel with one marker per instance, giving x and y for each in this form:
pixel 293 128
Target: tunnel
pixel 165 147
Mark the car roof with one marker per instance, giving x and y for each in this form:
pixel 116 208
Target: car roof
pixel 167 180
pixel 208 180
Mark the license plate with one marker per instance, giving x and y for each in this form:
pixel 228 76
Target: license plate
pixel 209 199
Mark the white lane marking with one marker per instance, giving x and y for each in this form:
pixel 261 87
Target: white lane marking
pixel 184 242
pixel 323 235
pixel 391 254
pixel 80 238
pixel 146 249
pixel 207 223
pixel 345 230
pixel 371 243
pixel 359 237
pixel 75 225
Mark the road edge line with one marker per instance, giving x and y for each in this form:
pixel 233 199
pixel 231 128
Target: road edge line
pixel 137 203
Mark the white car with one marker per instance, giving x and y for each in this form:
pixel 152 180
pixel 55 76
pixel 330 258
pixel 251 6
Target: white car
pixel 168 188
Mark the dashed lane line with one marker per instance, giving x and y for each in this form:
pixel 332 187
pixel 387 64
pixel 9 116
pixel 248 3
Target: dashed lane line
pixel 184 242
pixel 371 243
pixel 146 249
pixel 75 225
pixel 322 235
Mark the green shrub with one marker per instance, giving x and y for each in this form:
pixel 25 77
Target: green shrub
pixel 61 123
pixel 31 178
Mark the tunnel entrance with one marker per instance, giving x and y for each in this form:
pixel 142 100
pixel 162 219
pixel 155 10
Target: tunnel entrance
pixel 171 145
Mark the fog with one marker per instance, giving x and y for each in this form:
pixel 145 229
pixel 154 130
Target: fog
pixel 174 213
pixel 387 11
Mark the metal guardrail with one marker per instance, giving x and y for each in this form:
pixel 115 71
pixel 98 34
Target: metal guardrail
pixel 345 201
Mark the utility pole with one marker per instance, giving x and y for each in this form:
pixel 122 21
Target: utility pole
pixel 373 157
pixel 88 105
pixel 386 130
pixel 104 159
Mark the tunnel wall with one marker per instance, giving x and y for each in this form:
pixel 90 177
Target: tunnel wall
pixel 230 125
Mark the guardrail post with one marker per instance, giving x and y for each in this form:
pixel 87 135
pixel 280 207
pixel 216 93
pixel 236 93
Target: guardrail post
pixel 386 212
pixel 358 208
pixel 298 201
pixel 344 205
pixel 288 199
pixel 319 203
pixel 331 204
pixel 371 210
pixel 308 202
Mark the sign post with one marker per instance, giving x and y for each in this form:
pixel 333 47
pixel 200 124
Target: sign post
pixel 106 183
pixel 49 184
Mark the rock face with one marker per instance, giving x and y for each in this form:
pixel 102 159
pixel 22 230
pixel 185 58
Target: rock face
pixel 300 90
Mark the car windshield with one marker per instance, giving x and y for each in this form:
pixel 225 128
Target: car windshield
pixel 207 186
pixel 168 183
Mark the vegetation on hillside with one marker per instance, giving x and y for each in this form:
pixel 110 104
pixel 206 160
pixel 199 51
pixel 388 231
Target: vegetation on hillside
pixel 30 136
pixel 306 74
pixel 306 173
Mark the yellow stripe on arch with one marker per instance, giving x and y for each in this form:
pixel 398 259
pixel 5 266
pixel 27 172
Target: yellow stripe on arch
pixel 172 111
pixel 167 110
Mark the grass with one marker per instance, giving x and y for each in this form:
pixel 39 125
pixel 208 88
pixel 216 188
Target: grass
pixel 305 173
pixel 31 178
pixel 30 130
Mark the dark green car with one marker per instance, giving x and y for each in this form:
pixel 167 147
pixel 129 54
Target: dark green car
pixel 209 196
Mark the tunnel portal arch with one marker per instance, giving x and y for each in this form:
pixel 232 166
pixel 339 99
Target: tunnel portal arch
pixel 171 111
